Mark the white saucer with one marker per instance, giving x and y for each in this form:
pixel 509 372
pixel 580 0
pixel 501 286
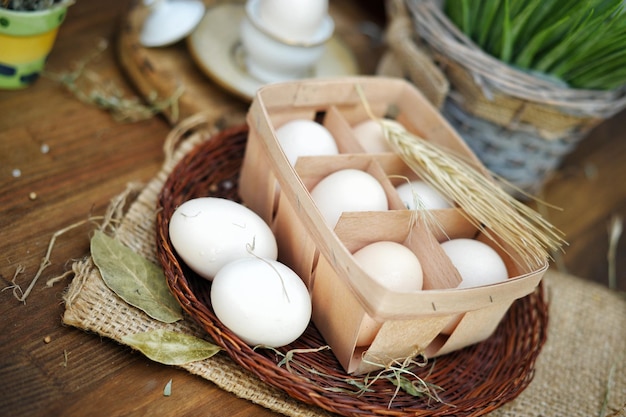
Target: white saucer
pixel 215 47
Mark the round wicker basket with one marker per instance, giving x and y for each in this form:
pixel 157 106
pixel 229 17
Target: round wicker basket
pixel 519 124
pixel 475 380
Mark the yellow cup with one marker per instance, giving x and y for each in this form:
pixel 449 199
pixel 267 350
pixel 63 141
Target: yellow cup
pixel 26 39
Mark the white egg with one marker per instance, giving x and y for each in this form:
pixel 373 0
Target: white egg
pixel 262 301
pixel 371 137
pixel 478 263
pixel 207 233
pixel 367 331
pixel 394 266
pixel 348 190
pixel 415 192
pixel 296 20
pixel 303 137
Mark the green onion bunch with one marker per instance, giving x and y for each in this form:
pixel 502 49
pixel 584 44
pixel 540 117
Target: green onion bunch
pixel 580 43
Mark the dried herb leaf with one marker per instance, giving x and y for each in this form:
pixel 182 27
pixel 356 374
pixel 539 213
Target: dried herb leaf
pixel 418 388
pixel 171 348
pixel 134 279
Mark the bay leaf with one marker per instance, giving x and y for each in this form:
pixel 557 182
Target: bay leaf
pixel 134 279
pixel 171 348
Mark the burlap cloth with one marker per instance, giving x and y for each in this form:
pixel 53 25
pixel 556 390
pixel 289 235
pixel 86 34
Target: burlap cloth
pixel 582 365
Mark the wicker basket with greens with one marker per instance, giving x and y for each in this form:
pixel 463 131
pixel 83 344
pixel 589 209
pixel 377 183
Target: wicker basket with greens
pixel 524 81
pixel 582 45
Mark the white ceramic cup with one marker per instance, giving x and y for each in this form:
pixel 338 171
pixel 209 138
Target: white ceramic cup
pixel 271 59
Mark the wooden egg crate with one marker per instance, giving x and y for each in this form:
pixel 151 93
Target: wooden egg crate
pixel 343 294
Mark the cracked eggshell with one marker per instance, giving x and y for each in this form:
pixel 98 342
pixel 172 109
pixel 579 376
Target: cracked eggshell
pixel 208 232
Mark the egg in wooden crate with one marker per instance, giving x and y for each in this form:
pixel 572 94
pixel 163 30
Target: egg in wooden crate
pixel 346 298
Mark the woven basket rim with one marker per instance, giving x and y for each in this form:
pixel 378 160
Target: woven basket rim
pixel 478 379
pixel 450 44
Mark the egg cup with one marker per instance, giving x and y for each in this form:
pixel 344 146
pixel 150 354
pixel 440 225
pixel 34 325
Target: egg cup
pixel 216 48
pixel 271 58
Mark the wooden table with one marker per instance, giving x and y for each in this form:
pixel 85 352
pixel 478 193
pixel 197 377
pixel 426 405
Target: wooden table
pixel 62 160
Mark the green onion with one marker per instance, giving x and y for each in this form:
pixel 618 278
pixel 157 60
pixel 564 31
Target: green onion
pixel 582 43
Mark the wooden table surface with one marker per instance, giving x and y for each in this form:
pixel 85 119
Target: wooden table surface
pixel 62 160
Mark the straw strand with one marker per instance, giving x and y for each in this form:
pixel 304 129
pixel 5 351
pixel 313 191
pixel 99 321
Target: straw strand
pixel 487 206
